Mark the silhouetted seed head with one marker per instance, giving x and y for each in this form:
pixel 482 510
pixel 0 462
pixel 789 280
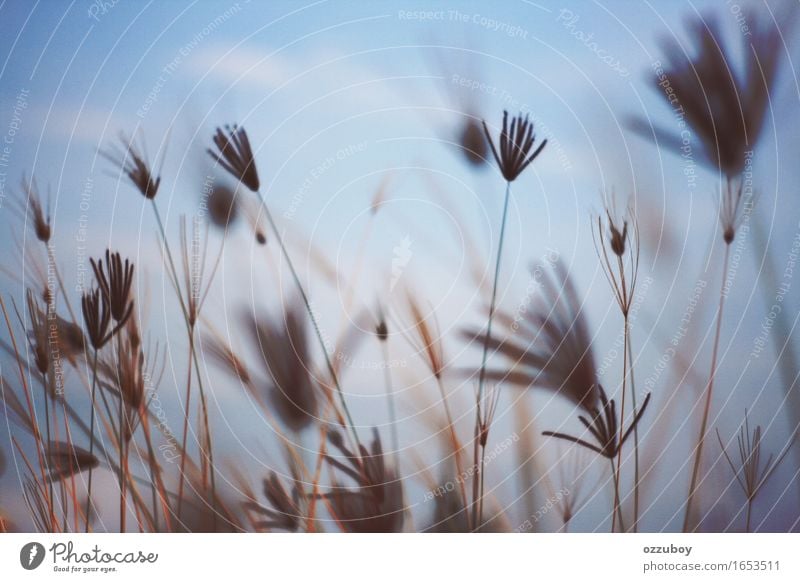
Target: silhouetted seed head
pixel 38 334
pixel 550 347
pixel 730 210
pixel 516 143
pixel 486 409
pixel 115 279
pixel 261 238
pixel 381 330
pixel 223 209
pixel 225 357
pixel 284 512
pixel 41 218
pixel 66 460
pixel 96 318
pixel 617 237
pixel 473 142
pixel 235 155
pixel 133 163
pixel 724 104
pixel 617 249
pixel 335 438
pixel 376 505
pixel 750 474
pixel 427 341
pixel 48 330
pixel 286 355
pixel 728 235
pixel 450 515
pixel 603 425
pixel 70 338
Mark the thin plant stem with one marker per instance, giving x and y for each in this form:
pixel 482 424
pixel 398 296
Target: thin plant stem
pixel 476 518
pixel 482 482
pixel 48 445
pixel 749 513
pixel 456 446
pixel 155 475
pixel 476 479
pixel 189 329
pixel 636 473
pixel 121 440
pixel 204 412
pixel 783 342
pixel 314 322
pixel 617 513
pixel 91 441
pixel 698 451
pixel 28 401
pixel 182 478
pixel 621 428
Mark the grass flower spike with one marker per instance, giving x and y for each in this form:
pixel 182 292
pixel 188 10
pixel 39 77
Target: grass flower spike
pixel 235 155
pixel 515 147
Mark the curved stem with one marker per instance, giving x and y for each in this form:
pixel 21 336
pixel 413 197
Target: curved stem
pixel 314 322
pixel 190 331
pixel 698 451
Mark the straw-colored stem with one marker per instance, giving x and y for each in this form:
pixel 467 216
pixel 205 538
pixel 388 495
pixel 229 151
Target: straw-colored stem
pixel 48 444
pixel 155 476
pixel 190 331
pixel 121 441
pixel 698 451
pixel 456 446
pixel 186 407
pixel 28 401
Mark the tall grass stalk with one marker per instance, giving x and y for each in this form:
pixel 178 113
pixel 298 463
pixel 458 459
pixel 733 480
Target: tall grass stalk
pixel 477 486
pixel 207 448
pixel 698 450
